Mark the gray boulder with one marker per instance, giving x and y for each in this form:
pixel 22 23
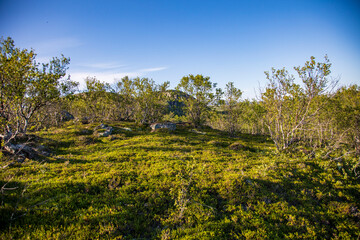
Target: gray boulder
pixel 108 130
pixel 26 151
pixel 166 125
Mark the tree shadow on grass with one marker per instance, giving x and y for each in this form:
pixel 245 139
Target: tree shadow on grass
pixel 312 199
pixel 91 206
pixel 11 198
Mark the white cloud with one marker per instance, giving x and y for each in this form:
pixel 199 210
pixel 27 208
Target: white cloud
pixel 58 44
pixel 102 76
pixel 105 72
pixel 153 69
pixel 103 65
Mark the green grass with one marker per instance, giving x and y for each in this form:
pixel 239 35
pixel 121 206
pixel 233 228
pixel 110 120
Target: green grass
pixel 175 185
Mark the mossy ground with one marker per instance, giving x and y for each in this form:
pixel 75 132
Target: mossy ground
pixel 182 184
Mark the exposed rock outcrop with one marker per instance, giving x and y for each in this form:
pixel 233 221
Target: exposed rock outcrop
pixel 25 151
pixel 108 130
pixel 167 125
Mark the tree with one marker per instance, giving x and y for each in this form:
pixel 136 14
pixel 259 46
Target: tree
pixel 289 106
pixel 99 101
pixel 200 96
pixel 96 97
pixel 251 119
pixel 142 99
pixel 232 107
pixel 26 86
pixel 55 112
pixel 150 100
pixel 346 117
pixel 126 89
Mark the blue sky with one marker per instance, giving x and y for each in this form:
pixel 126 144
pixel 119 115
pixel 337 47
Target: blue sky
pixel 165 40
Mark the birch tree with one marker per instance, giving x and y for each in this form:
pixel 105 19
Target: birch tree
pixel 199 90
pixel 26 86
pixel 290 106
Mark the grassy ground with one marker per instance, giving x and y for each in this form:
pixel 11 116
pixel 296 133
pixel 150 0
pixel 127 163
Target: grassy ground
pixel 183 185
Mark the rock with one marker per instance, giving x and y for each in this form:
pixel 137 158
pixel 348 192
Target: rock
pixel 167 125
pixel 66 116
pixel 42 150
pixel 108 130
pixel 101 126
pixel 20 159
pixel 21 150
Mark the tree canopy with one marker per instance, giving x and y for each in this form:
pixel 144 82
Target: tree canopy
pixel 200 90
pixel 26 86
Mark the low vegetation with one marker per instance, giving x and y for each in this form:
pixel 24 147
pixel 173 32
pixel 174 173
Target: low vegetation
pixel 141 185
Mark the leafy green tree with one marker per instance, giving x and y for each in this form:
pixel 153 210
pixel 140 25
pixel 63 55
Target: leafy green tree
pixel 97 102
pixel 26 86
pixel 251 117
pixel 126 89
pixel 346 117
pixel 289 106
pixel 200 95
pixel 142 99
pixel 96 97
pixel 150 100
pixel 54 113
pixel 232 107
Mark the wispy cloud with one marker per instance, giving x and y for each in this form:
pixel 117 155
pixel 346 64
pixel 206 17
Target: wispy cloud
pixel 103 65
pixel 109 72
pixel 102 76
pixel 57 44
pixel 156 69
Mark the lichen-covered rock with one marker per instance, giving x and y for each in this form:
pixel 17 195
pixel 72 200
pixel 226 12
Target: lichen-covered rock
pixel 101 126
pixel 167 125
pixel 27 151
pixel 106 130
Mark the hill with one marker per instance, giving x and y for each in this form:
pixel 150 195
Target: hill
pixel 186 184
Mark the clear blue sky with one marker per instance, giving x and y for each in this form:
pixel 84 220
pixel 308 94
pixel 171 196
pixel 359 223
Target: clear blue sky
pixel 166 40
